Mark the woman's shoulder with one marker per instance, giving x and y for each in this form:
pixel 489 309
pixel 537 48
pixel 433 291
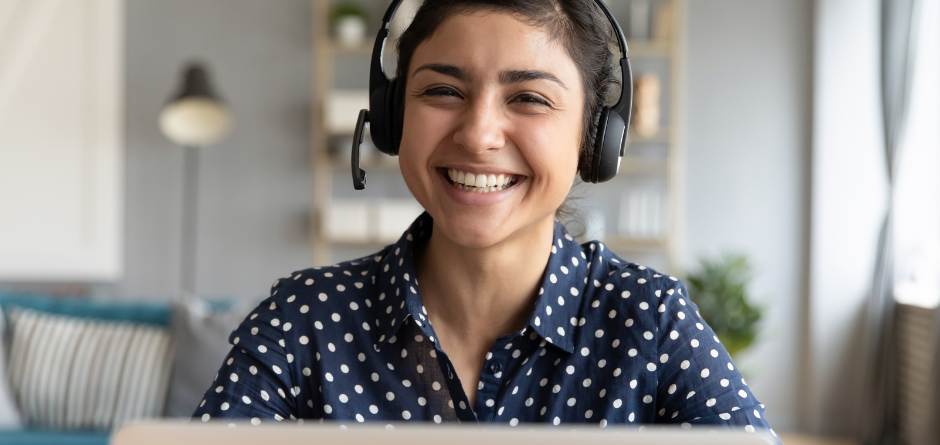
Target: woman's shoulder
pixel 318 284
pixel 633 293
pixel 311 298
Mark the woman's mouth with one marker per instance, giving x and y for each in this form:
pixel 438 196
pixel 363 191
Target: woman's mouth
pixel 480 183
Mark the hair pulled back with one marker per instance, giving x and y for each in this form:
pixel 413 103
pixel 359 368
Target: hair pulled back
pixel 579 25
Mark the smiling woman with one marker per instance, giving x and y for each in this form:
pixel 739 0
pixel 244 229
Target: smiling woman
pixel 501 106
pixel 484 112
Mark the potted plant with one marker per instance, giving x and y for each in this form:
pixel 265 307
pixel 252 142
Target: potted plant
pixel 721 290
pixel 350 23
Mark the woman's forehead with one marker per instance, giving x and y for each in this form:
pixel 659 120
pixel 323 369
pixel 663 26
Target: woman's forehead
pixel 491 44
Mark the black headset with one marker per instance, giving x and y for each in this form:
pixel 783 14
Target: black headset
pixel 609 130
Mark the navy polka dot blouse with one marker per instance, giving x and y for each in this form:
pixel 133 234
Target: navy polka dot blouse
pixel 608 342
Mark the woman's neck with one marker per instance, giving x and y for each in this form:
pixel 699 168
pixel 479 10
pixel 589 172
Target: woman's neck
pixel 476 295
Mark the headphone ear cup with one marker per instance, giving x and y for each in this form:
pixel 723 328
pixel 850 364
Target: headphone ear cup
pixel 378 114
pixel 589 157
pixel 609 146
pixel 392 119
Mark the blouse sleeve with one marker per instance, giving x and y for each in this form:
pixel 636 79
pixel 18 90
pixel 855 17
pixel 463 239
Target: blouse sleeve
pixel 699 383
pixel 256 380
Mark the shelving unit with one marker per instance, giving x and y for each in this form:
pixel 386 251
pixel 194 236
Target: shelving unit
pixel 327 166
pixel 657 161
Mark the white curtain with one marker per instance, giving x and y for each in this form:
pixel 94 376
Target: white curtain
pixel 899 36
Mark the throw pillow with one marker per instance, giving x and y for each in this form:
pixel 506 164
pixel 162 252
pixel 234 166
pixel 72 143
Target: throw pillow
pixel 93 371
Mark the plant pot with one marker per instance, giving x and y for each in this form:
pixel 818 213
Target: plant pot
pixel 350 30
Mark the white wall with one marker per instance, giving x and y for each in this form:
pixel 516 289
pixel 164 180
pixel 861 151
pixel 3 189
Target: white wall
pixel 749 133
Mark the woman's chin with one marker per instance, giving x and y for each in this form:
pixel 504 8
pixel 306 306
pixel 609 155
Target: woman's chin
pixel 473 231
pixel 484 228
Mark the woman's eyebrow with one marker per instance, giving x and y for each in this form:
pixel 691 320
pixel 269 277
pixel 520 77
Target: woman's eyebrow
pixel 505 77
pixel 519 76
pixel 447 70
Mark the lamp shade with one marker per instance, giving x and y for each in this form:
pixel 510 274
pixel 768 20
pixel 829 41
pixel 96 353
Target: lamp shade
pixel 195 117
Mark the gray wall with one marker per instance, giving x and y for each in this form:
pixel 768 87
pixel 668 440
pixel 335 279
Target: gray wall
pixel 254 187
pixel 749 138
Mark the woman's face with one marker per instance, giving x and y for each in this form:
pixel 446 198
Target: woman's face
pixel 488 95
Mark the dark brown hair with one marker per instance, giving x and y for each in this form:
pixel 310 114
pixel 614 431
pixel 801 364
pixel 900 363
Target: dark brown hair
pixel 578 24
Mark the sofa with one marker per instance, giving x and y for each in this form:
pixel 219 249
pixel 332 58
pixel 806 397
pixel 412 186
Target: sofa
pixel 72 370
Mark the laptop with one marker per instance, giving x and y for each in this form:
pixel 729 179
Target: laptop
pixel 182 432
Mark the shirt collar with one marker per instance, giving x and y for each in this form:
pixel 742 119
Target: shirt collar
pixel 399 297
pixel 562 290
pixel 556 309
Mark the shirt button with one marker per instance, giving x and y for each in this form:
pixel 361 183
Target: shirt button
pixel 495 367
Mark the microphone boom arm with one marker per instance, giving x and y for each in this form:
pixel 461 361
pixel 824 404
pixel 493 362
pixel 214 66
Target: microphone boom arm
pixel 358 174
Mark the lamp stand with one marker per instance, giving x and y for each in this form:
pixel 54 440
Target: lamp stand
pixel 188 225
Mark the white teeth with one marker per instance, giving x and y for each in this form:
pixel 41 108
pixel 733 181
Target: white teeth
pixel 479 183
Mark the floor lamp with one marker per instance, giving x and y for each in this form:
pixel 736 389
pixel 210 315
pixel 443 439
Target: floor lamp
pixel 194 118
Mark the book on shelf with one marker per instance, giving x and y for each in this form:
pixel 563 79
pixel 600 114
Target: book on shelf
pixel 641 214
pixel 646 111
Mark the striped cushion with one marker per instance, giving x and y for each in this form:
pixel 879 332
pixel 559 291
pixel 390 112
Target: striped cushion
pixel 82 373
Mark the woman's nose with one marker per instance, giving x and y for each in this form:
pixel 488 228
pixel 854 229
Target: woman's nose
pixel 482 128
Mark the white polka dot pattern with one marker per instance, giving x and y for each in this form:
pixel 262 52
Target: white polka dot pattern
pixel 608 342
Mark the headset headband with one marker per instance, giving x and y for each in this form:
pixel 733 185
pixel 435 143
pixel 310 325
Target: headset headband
pixel 383 99
pixel 379 50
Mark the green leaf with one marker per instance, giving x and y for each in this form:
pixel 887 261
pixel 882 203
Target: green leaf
pixel 720 288
pixel 349 9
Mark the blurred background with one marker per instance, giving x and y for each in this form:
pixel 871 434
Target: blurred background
pixel 783 159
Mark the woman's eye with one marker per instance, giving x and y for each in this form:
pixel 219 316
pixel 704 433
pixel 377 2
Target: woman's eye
pixel 441 91
pixel 531 98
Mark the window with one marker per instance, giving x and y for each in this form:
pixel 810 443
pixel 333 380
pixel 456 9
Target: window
pixel 917 190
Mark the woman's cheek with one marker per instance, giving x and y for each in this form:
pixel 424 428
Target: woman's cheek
pixel 426 126
pixel 420 137
pixel 553 152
